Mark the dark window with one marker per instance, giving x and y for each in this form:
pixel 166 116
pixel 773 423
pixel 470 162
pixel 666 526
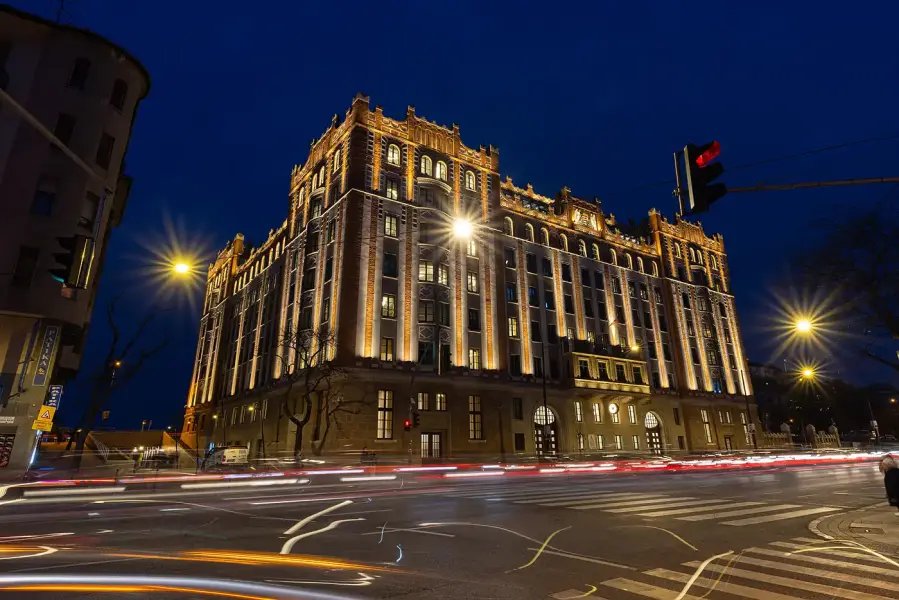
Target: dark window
pixel 644 292
pixel 616 285
pixel 104 150
pixel 519 442
pixel 656 380
pixel 535 331
pixel 694 355
pixel 686 297
pixel 547 267
pixel 549 300
pixel 598 280
pixel 584 369
pixel 25 266
pixel 658 294
pixel 538 367
pixel 566 272
pixel 531 262
pixel 653 353
pixel 509 257
pixel 677 416
pixel 569 304
pixel 389 268
pixel 119 93
pixel 666 351
pixel 331 231
pixel 603 371
pixel 511 292
pixel 329 269
pixel 533 299
pixel 65 127
pixel 42 203
pixel 638 376
pixel 426 311
pixel 551 334
pixel 663 324
pixel 315 208
pixel 680 443
pixel 443 313
pixel 553 368
pixel 326 309
pixel 515 364
pixel 312 239
pixel 647 319
pixel 474 319
pixel 588 307
pixel 80 70
pixel 517 409
pixel 585 276
pixel 631 289
pixel 716 386
pixel 306 318
pixel 619 373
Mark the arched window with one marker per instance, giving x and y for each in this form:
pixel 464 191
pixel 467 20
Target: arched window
pixel 315 181
pixel 302 197
pixel 581 248
pixel 714 260
pixel 655 269
pixel 628 261
pixel 529 231
pixel 677 251
pixel 692 255
pixel 321 175
pixel 640 265
pixel 393 154
pixel 544 236
pixel 336 166
pixel 614 257
pixel 469 180
pixel 563 241
pixel 508 227
pixel 441 170
pixel 595 252
pixel 699 258
pixel 544 416
pixel 427 167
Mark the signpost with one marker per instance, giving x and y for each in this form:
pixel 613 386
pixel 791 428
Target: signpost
pixel 48 346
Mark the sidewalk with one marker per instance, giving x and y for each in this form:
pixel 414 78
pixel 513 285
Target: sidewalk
pixel 876 526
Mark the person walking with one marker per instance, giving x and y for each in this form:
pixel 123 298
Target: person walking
pixel 890 471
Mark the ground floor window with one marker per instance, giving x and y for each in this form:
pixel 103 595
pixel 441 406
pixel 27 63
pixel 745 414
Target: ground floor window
pixel 385 415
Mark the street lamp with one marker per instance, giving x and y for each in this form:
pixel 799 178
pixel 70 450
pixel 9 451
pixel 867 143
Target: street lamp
pixel 803 326
pixel 181 268
pixel 808 373
pixel 462 228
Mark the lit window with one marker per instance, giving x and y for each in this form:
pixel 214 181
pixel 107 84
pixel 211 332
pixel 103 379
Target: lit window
pixel 439 401
pixel 628 261
pixel 600 442
pixel 581 248
pixel 474 358
pixel 595 252
pixel 706 425
pixel 387 349
pixel 513 327
pixel 677 250
pixel 424 401
pixel 393 191
pixel 426 312
pixel 613 410
pixel 426 271
pixel 393 154
pixel 580 441
pixel 472 248
pixel 578 411
pixel 655 270
pixel 441 170
pixel 636 439
pixel 475 416
pixel 469 180
pixel 746 432
pixel 427 166
pixel 443 274
pixel 336 164
pixel 640 264
pixel 563 241
pixel 385 415
pixel 529 232
pixel 619 444
pixel 544 236
pixel 597 412
pixel 472 282
pixel 388 306
pixel 508 227
pixel 390 222
pixel 632 414
pixel 614 257
pixel 713 260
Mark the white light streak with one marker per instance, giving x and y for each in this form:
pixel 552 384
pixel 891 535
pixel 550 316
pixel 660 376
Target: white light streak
pixel 369 478
pixel 75 491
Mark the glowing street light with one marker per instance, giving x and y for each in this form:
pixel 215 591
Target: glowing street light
pixel 181 268
pixel 803 326
pixel 808 373
pixel 635 348
pixel 462 228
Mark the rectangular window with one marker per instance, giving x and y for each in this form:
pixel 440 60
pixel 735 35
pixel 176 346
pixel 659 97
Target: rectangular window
pixel 566 272
pixel 329 268
pixel 597 412
pixel 638 376
pixel 681 444
pixel 26 264
pixel 443 314
pixel 657 294
pixel 677 416
pixel 515 364
pixel 706 425
pixel 439 401
pixel 326 309
pixel 426 311
pixel 547 267
pixel 474 358
pixel 533 298
pixel 583 369
pixel 694 354
pixel 44 198
pixel 580 441
pixel 632 414
pixel 426 271
pixel 746 433
pixel 390 222
pixel 475 418
pixel 644 292
pixel 616 285
pixel 599 280
pixel 509 257
pixel 549 300
pixel 513 327
pixel 588 307
pixel 600 442
pixel 619 444
pixel 316 208
pixel 389 268
pixel 511 292
pixel 551 334
pixel 424 401
pixel 264 408
pixel 591 336
pixel 388 306
pixel 118 95
pixel 530 262
pixel 474 319
pixel 392 189
pixel 89 211
pixel 569 304
pixel 472 248
pixel 631 289
pixel 585 276
pixel 519 442
pixel 385 415
pixel 517 409
pixel 443 274
pixel 538 366
pixel 636 439
pixel 578 412
pixel 424 230
pixel 387 349
pixel 80 70
pixel 616 417
pixel 331 233
pixel 234 415
pixel 619 373
pixel 243 413
pixel 104 150
pixel 472 278
pixel 65 127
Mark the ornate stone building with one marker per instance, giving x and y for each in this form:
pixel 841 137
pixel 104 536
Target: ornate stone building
pixel 545 328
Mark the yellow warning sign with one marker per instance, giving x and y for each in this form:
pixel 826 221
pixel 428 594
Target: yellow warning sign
pixel 46 413
pixel 42 424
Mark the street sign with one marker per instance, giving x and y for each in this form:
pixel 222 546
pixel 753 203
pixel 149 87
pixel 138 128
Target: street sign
pixel 42 424
pixel 54 395
pixel 46 413
pixel 105 414
pixel 48 346
pixel 7 420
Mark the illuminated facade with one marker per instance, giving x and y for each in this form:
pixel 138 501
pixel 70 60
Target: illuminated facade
pixel 635 335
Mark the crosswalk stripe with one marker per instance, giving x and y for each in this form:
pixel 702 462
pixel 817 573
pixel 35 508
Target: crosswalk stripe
pixel 780 516
pixel 686 511
pixel 673 502
pixel 797 584
pixel 643 589
pixel 567 494
pixel 821 573
pixel 737 513
pixel 728 588
pixel 807 558
pixel 847 554
pixel 526 492
pixel 607 504
pixel 517 489
pixel 579 499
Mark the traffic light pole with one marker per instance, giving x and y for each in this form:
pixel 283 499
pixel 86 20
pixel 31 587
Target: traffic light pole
pixel 811 184
pixel 679 190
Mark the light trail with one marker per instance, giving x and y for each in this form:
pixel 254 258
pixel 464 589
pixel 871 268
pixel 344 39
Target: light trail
pixel 542 548
pixel 299 524
pixel 685 542
pixel 288 545
pixel 361 582
pixel 46 550
pixel 240 484
pixel 699 570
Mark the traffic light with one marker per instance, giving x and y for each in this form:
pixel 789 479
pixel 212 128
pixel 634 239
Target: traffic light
pixel 416 419
pixel 75 261
pixel 701 172
pixel 407 425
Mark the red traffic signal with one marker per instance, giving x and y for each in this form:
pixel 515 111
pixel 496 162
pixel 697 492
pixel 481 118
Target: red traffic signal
pixel 407 424
pixel 710 152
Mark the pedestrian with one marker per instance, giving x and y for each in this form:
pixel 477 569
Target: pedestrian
pixel 891 480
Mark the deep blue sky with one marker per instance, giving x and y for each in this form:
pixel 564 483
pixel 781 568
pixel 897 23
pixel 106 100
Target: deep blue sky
pixel 595 97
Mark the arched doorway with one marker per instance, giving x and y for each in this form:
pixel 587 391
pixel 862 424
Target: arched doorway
pixel 653 433
pixel 546 433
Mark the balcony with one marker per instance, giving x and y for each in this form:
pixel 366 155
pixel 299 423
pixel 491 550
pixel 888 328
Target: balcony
pixel 607 368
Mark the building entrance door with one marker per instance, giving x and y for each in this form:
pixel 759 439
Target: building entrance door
pixel 431 446
pixel 653 433
pixel 546 434
pixel 728 442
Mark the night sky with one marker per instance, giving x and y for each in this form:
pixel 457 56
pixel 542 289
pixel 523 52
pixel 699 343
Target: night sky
pixel 595 97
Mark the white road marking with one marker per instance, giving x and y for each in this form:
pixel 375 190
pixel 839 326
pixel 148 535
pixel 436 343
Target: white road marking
pixel 738 513
pixel 686 511
pixel 660 500
pixel 780 516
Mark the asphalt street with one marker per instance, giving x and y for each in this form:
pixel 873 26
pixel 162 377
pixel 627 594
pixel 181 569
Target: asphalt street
pixel 602 535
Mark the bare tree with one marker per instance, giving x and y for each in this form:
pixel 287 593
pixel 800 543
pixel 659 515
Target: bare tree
pixel 857 264
pixel 116 371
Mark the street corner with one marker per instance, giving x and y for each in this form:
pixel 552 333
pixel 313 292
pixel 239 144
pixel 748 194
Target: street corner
pixel 875 526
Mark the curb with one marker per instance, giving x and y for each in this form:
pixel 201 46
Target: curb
pixel 819 527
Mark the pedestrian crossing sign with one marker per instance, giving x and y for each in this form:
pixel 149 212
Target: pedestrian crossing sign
pixel 46 413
